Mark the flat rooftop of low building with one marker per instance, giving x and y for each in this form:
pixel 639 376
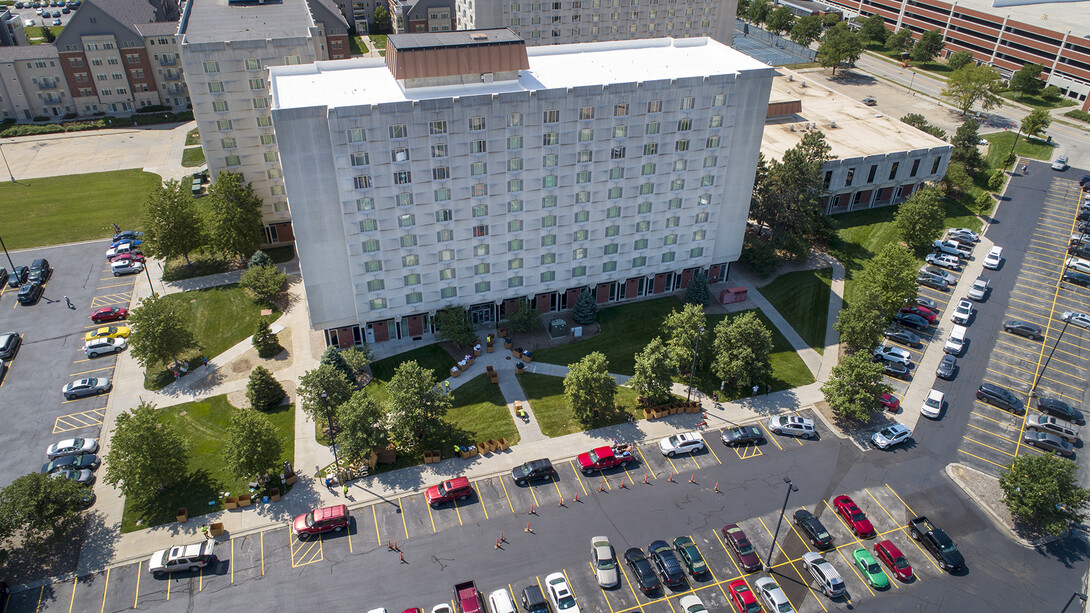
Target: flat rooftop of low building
pixel 1073 15
pixel 217 21
pixel 342 83
pixel 859 130
pixel 458 38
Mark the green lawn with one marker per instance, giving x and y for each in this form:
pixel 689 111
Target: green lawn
pixel 1001 142
pixel 219 318
pixel 431 357
pixel 378 41
pixel 357 46
pixel 204 423
pixel 205 262
pixel 550 407
pixel 55 210
pixel 802 298
pixel 192 156
pixel 193 137
pixel 1038 102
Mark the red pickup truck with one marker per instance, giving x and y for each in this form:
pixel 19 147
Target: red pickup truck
pixel 605 457
pixel 467 597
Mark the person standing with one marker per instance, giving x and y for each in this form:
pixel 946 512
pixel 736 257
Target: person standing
pixel 756 388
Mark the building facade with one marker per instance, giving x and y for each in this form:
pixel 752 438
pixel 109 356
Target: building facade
pixel 11 29
pixel 227 49
pixel 468 170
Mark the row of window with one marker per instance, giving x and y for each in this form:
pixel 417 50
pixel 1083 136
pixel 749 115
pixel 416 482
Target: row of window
pixel 213 67
pixel 263 121
pixel 515 164
pixel 367 203
pixel 256 84
pixel 615 16
pixel 220 106
pixel 514 186
pixel 578 4
pixel 893 169
pixel 408 220
pixel 686 26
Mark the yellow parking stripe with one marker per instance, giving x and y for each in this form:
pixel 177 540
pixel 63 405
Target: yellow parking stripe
pixel 430 515
pixel 75 421
pixel 374 515
pixel 980 458
pixel 504 486
pixel 105 586
pixel 1002 423
pixel 774 545
pixel 480 499
pixel 647 465
pixel 890 515
pixel 972 440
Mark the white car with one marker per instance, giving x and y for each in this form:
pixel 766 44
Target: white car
pixel 893 354
pixel 890 436
pixel 1078 264
pixel 979 289
pixel 938 272
pixel 686 442
pixel 772 594
pixel 500 602
pixel 953 248
pixel 1081 320
pixel 604 562
pixel 71 446
pixel 932 405
pixel 439 608
pixel 827 577
pixel 962 312
pixel 963 233
pixel 119 249
pixel 102 346
pixel 792 425
pixel 994 257
pixel 560 593
pixel 945 260
pixel 1060 163
pixel 184 557
pixel 692 604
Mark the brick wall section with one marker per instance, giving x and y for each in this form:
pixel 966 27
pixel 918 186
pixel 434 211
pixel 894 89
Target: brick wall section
pixel 75 86
pixel 338 54
pixel 145 83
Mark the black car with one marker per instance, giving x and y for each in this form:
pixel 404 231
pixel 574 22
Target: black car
pixel 9 344
pixel 29 293
pixel 1084 180
pixel 899 334
pixel 39 271
pixel 126 236
pixel 947 367
pixel 1084 214
pixel 741 435
pixel 1022 328
pixel 927 302
pixel 812 526
pixel 932 281
pixel 642 570
pixel 533 601
pixel 896 369
pixel 911 320
pixel 1000 397
pixel 666 563
pixel 18 276
pixel 1077 278
pixel 534 470
pixel 72 462
pixel 1058 408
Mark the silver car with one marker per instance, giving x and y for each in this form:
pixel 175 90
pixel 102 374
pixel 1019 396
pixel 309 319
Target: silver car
pixel 604 562
pixel 772 594
pixel 829 580
pixel 71 446
pixel 86 387
pixel 103 346
pixel 1081 320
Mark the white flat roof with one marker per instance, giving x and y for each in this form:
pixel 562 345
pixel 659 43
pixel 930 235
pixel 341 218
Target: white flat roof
pixel 367 81
pixel 1062 16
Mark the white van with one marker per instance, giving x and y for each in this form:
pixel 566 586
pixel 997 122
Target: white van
pixel 956 341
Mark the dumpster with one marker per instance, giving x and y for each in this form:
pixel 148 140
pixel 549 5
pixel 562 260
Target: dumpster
pixel 732 295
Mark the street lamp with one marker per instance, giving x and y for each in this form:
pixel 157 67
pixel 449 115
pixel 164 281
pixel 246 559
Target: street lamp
pixel 7 254
pixel 1078 595
pixel 790 488
pixel 692 369
pixel 332 444
pixel 1040 374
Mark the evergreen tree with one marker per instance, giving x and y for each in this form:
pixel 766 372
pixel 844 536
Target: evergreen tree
pixel 260 258
pixel 264 340
pixel 585 311
pixel 697 292
pixel 263 390
pixel 332 356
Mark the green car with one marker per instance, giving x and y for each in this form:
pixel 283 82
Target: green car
pixel 690 556
pixel 870 569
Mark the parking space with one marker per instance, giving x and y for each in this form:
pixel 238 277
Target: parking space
pixel 29 13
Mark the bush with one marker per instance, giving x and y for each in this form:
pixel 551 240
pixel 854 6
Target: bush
pixel 957 180
pixel 155 108
pixel 995 182
pixel 585 311
pixel 759 255
pixel 1080 115
pixel 260 258
pixel 42 118
pixel 265 341
pixel 263 390
pixel 984 203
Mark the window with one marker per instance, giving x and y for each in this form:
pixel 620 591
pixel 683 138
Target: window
pixel 223 124
pixel 514 142
pixel 404 200
pixel 582 216
pixel 579 254
pixel 479 189
pixel 707 180
pixel 672 222
pixel 547 276
pixel 667 257
pixel 365 204
pixel 579 271
pixel 480 210
pixel 357 135
pixel 616 173
pixel 548 221
pixel 219 106
pixel 377 303
pixel 479 250
pixel 368 225
pixel 479 231
pixel 684 125
pixel 673 203
pixel 477 146
pixel 514 282
pixel 699 235
pixel 481 269
pixel 442 194
pixel 696 252
pixel 440 172
pixel 580 235
pixel 586 112
pixel 617 153
pixel 446 255
pixel 548 240
pixel 362 182
pixel 654 106
pixel 548 258
pixel 639 261
pixel 514 164
pixel 935 165
pixel 400 154
pixel 640 244
pixel 398 131
pixel 514 185
pixel 851 175
pixel 211 67
pixel 610 249
pixel 915 168
pixel 267 139
pixel 677 184
pixel 370 246
pixel 253 64
pixel 514 225
pixel 892 173
pixel 586 135
pixel 701 218
pixel 476 123
pixel 647 169
pixel 679 165
pixel 514 244
pixel 551 116
pixel 652 128
pixel 372 266
pixel 609 266
pixel 257 84
pixel 478 168
pixel 620 131
pixel 710 161
pixel 647 188
pixel 360 159
pixel 409 240
pixel 439 151
pixel 548 181
pixel 716 121
pixel 410 260
pixel 376 285
pixel 620 110
pixel 482 286
pixel 548 202
pixel 265 122
pixel 514 264
pixel 228 142
pixel 719 100
pixel 403 177
pixel 514 120
pixel 448 292
pixel 687 103
pixel 712 142
pixel 406 221
pixel 584 156
pixel 669 239
pixel 550 138
pixel 437 127
pixel 414 298
pixel 681 145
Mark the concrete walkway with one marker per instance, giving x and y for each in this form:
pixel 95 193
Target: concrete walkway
pixel 811 358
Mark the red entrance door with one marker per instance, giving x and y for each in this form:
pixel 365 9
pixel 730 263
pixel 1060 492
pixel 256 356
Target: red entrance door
pixel 415 324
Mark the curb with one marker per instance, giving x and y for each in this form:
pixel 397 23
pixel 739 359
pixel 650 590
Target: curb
pixel 996 519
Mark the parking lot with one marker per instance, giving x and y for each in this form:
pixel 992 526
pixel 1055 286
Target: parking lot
pixel 52 354
pixel 29 13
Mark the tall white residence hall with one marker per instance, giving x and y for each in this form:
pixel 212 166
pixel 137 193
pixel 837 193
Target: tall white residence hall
pixel 467 169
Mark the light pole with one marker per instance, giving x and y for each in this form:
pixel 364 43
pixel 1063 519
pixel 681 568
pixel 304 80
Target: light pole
pixel 7 254
pixel 692 369
pixel 332 443
pixel 1078 595
pixel 790 488
pixel 1040 374
pixel 912 80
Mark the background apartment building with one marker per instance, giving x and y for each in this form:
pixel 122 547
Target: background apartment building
pixel 227 50
pixel 11 29
pixel 470 170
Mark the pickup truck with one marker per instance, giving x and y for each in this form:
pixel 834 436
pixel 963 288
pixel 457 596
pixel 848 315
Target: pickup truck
pixel 468 598
pixel 605 457
pixel 936 541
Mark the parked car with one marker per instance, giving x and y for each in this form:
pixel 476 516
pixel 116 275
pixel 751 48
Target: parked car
pixel 928 303
pixel 853 516
pixel 1022 328
pixel 107 314
pixel 560 593
pixel 1048 442
pixel 534 470
pixel 889 436
pixel 742 597
pixel 642 570
pixel 889 402
pixel 91 386
pixel 18 276
pixel 994 258
pixel 930 280
pixel 869 568
pixel 964 232
pixel 692 604
pixel 792 425
pixel 896 370
pixel 29 293
pixel 937 542
pixel 814 529
pixel 1060 163
pixel 103 346
pixel 666 563
pixel 686 442
pixel 962 312
pixel 187 557
pixel 40 271
pixel 319 521
pixel 979 289
pixel 828 579
pixel 499 601
pixel 71 446
pixel 930 315
pixel 126 267
pixel 83 476
pixel 911 320
pixel 690 556
pixel 870 101
pixel 125 236
pixel 1080 250
pixel 741 435
pixel 932 405
pixel 107 332
pixel 892 354
pixel 1047 423
pixel 953 248
pixel 1078 278
pixel 120 248
pixel 945 260
pixel 56 20
pixel 738 543
pixel 773 595
pixel 950 278
pixel 947 368
pixel 900 335
pixel 533 601
pixel 1000 397
pixel 9 345
pixel 450 490
pixel 604 562
pixel 89 461
pixel 1061 409
pixel 1081 320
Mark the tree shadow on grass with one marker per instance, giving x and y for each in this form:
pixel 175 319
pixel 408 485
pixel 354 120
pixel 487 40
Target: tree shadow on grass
pixel 193 492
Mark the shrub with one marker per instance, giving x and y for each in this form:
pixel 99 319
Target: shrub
pixel 995 182
pixel 263 390
pixel 265 341
pixel 585 311
pixel 260 258
pixel 1080 115
pixel 155 108
pixel 759 255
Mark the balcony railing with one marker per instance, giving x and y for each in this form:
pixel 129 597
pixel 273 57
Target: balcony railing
pixel 44 84
pixel 168 60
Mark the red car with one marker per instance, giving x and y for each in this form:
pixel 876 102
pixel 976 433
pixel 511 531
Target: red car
pixel 134 256
pixel 890 401
pixel 924 312
pixel 318 521
pixel 742 597
pixel 453 489
pixel 742 548
pixel 892 557
pixel 854 516
pixel 109 314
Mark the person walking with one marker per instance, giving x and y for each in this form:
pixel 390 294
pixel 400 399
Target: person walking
pixel 756 388
pixel 68 302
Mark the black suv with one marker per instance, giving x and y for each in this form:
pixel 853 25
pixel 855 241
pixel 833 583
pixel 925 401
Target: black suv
pixel 1058 408
pixel 1000 397
pixel 18 276
pixel 642 570
pixel 533 601
pixel 819 536
pixel 29 293
pixel 667 563
pixel 39 271
pixel 534 470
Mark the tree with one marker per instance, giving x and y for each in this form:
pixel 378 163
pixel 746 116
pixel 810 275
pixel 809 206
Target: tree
pixel 957 180
pixel 1043 491
pixel 146 455
pixel 854 386
pixel 891 274
pixel 357 358
pixel 416 405
pixel 263 390
pixel 807 30
pixel 921 218
pixel 159 332
pixel 260 258
pixel 743 351
pixel 332 356
pixel 454 324
pixel 873 29
pixel 1027 81
pixel 264 281
pixel 681 329
pixel 653 375
pixel 233 216
pixel 589 388
pixel 839 45
pixel 780 20
pixel 323 380
pixel 920 123
pixel 172 222
pixel 861 323
pixel 362 429
pixel 48 35
pixel 37 509
pixel 266 343
pixel 585 311
pixel 971 84
pixel 742 9
pixel 931 43
pixel 1051 92
pixel 1036 122
pixel 959 59
pixel 252 448
pixel 382 24
pixel 964 146
pixel 523 317
pixel 697 292
pixel 995 182
pixel 900 41
pixel 759 10
pixel 787 195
